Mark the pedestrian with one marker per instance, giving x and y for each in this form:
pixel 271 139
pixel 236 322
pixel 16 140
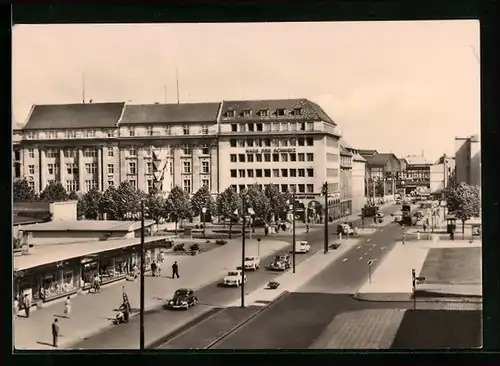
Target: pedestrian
pixel 26 305
pixel 153 268
pixel 15 307
pixel 158 268
pixel 307 228
pixel 67 307
pixel 124 294
pixel 135 270
pixel 175 270
pixel 425 227
pixel 55 332
pixel 97 283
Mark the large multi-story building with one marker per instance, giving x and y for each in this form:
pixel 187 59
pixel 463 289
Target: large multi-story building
pixel 468 160
pixel 418 173
pixel 440 173
pixel 290 143
pixel 381 168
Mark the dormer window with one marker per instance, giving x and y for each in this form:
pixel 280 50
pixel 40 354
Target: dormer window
pixel 247 113
pixel 264 113
pixel 230 114
pixel 297 112
pixel 280 112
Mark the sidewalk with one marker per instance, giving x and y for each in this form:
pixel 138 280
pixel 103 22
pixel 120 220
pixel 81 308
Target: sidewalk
pixel 392 280
pixel 92 313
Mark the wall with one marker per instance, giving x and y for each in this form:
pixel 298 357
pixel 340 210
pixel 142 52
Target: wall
pixel 64 211
pixel 58 237
pixel 475 164
pixel 437 177
pixel 462 160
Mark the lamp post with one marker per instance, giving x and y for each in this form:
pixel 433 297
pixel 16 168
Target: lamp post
pixel 141 314
pixel 292 206
pixel 243 244
pixel 258 247
pixel 325 193
pixel 204 211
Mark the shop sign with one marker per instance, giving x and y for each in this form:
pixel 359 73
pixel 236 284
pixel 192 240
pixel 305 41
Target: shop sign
pixel 277 150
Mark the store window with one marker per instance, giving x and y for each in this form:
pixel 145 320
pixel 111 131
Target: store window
pixel 112 269
pixel 58 283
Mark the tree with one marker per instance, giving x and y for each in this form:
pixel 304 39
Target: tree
pixel 258 201
pixel 89 205
pixel 464 201
pixel 155 206
pixel 22 191
pixel 277 201
pixel 73 196
pixel 109 204
pixel 54 192
pixel 178 206
pixel 202 198
pixel 128 200
pixel 226 204
pixel 379 188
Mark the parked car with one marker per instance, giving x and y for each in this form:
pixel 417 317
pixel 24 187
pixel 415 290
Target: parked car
pixel 398 216
pixel 345 229
pixel 183 298
pixel 280 263
pixel 234 278
pixel 251 263
pixel 369 210
pixel 302 247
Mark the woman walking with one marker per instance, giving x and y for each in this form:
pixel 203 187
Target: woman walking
pixel 67 307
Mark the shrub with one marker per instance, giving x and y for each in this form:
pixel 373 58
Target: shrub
pixel 179 247
pixel 194 247
pixel 221 242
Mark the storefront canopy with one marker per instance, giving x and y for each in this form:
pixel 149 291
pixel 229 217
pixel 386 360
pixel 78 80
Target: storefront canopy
pixel 47 254
pixel 88 225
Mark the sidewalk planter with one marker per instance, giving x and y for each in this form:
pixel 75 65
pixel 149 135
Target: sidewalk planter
pixel 273 285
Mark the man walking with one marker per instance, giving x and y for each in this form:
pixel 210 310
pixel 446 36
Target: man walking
pixel 175 270
pixel 55 332
pixel 26 305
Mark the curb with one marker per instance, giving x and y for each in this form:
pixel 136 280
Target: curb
pixel 409 299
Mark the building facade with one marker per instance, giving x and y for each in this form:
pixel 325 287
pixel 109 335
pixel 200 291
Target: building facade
pixel 418 174
pixel 468 160
pixel 440 174
pixel 382 169
pixel 346 187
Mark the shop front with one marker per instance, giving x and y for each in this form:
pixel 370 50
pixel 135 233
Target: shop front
pixel 114 266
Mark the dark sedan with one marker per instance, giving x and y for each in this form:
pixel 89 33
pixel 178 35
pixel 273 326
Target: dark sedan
pixel 183 298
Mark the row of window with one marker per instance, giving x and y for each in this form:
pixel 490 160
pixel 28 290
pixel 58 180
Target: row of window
pixel 276 126
pixel 186 130
pixel 275 173
pixel 299 188
pixel 265 112
pixel 268 142
pixel 275 157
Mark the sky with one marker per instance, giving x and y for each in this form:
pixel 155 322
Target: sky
pixel 401 87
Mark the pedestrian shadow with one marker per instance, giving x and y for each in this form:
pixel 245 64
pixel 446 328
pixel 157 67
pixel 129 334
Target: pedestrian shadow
pixel 45 344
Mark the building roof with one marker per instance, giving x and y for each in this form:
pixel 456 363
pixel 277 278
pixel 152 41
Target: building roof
pixel 64 116
pixel 310 110
pixel 164 113
pixel 25 220
pixel 344 151
pixel 366 153
pixel 45 254
pixel 380 159
pixel 344 143
pixel 417 160
pixel 87 225
pixel 357 157
pixel 403 160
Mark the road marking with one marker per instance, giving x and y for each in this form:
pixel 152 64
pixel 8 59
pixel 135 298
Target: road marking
pixel 370 249
pixel 366 253
pixel 382 248
pixel 368 240
pixel 345 259
pixel 360 258
pixel 358 247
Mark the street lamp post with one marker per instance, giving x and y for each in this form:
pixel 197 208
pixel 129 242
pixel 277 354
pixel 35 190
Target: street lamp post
pixel 141 314
pixel 204 211
pixel 258 247
pixel 325 192
pixel 403 233
pixel 293 228
pixel 243 244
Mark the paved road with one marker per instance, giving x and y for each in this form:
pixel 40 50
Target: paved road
pixel 159 323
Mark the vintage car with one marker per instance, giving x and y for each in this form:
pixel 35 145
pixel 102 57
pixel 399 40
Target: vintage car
pixel 251 263
pixel 302 247
pixel 234 278
pixel 398 216
pixel 183 298
pixel 280 263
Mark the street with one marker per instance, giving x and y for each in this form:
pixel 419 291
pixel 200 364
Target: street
pixel 161 322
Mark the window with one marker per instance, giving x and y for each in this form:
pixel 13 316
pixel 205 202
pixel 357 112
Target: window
pixel 149 131
pixel 284 157
pixel 310 172
pixel 276 157
pixel 310 188
pixel 247 113
pixel 72 169
pixel 241 187
pixel 293 173
pixel 284 188
pixel 171 167
pixel 132 168
pixel 30 135
pixel 284 143
pixel 167 130
pixel 267 142
pixel 90 153
pixel 233 158
pixel 310 156
pixel 204 130
pixel 233 173
pixel 51 153
pixel 302 173
pixel 90 168
pixel 111 152
pixel 230 113
pixel 250 158
pixel 186 150
pixel 302 126
pixel 70 135
pixel 258 158
pixel 275 142
pixel 90 184
pixel 131 131
pixel 297 112
pixel 293 157
pixel 150 185
pixel 276 126
pixel 280 112
pixel 70 153
pixel 111 183
pixel 241 143
pixel 132 151
pixel 111 169
pixel 149 167
pixel 258 173
pixel 234 187
pixel 276 173
pixel 284 126
pixel 267 158
pixel 72 185
pixel 241 173
pixel 89 133
pixel 309 141
pixel 186 167
pixel 205 167
pixel 293 126
pixel 232 143
pixel 250 143
pixel 132 183
pixel 293 141
pixel 267 173
pixel 310 126
pixel 250 173
pixel 284 173
pixel 50 169
pixel 31 184
pixel 264 112
pixel 31 153
pixel 205 183
pixel 205 150
pixel 31 169
pixel 51 135
pixel 258 142
pixel 241 158
pixel 185 130
pixel 301 141
pixel 111 133
pixel 251 127
pixel 302 188
pixel 234 127
pixel 258 126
